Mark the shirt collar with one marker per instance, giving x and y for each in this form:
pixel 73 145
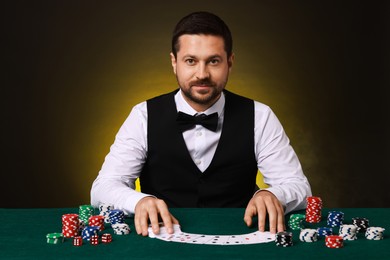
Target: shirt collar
pixel 183 106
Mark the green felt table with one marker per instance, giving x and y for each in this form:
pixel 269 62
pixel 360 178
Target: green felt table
pixel 23 236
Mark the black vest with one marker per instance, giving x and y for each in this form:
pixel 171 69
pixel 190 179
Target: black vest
pixel 170 173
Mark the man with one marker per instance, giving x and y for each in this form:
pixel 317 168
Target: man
pixel 201 145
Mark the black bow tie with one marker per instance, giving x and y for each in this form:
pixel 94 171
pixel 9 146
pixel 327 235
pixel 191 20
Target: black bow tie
pixel 186 121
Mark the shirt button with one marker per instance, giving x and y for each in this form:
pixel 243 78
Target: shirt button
pixel 197 162
pixel 199 133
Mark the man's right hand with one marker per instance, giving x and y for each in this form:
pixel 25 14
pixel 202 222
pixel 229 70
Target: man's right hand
pixel 150 208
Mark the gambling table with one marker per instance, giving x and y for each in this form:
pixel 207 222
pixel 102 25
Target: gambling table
pixel 23 236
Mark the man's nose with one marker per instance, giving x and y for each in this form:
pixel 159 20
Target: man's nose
pixel 202 71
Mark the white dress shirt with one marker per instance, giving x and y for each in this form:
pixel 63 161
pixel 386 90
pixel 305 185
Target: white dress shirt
pixel 276 158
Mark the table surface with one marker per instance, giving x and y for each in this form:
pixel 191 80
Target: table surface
pixel 23 236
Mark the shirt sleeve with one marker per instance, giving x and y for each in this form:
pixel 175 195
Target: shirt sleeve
pixel 278 162
pixel 115 183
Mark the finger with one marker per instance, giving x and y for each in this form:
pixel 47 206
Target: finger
pixel 261 215
pixel 272 216
pixel 143 222
pixel 137 224
pixel 153 216
pixel 281 224
pixel 250 211
pixel 165 216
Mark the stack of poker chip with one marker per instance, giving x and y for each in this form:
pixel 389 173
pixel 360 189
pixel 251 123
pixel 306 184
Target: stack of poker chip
pixel 284 239
pixel 70 225
pixel 348 232
pixel 308 235
pixel 104 210
pixel 121 229
pixel 96 221
pixel 85 212
pixel 361 223
pixel 375 233
pixel 335 218
pixel 54 238
pixel 88 232
pixel 313 209
pixel 334 241
pixel 324 231
pixel 116 216
pixel 295 221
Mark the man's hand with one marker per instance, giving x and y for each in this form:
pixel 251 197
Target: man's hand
pixel 262 203
pixel 150 208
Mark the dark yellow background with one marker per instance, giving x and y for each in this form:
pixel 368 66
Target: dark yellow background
pixel 74 69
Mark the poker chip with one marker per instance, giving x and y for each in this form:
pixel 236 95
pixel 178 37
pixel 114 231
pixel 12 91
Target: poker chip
pixel 104 210
pixel 348 232
pixel 361 223
pixel 70 225
pixel 313 209
pixel 88 232
pixel 324 231
pixel 54 238
pixel 96 221
pixel 308 235
pixel 335 218
pixel 116 216
pixel 284 239
pixel 121 229
pixel 375 233
pixel 334 241
pixel 85 212
pixel 296 221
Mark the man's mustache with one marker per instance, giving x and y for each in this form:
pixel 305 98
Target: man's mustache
pixel 203 82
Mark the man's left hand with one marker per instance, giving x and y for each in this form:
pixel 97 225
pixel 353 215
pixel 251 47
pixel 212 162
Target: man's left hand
pixel 263 203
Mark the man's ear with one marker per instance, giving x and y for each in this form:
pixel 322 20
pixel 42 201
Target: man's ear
pixel 173 62
pixel 230 61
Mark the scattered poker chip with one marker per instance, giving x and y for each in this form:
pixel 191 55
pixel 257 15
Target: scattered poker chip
pixel 334 241
pixel 54 238
pixel 375 233
pixel 296 221
pixel 361 223
pixel 335 218
pixel 284 239
pixel 313 209
pixel 308 235
pixel 348 232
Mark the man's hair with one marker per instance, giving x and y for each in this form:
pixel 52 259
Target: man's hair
pixel 202 23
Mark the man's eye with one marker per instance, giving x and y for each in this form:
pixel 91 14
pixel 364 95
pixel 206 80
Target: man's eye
pixel 190 61
pixel 214 61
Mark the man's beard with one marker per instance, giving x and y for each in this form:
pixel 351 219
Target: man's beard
pixel 213 93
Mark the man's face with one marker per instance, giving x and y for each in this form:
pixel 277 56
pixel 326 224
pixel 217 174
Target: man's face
pixel 201 68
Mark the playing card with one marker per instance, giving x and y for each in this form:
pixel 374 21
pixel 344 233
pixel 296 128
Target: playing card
pixel 234 240
pixel 257 237
pixel 218 240
pixel 183 237
pixel 163 234
pixel 200 239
